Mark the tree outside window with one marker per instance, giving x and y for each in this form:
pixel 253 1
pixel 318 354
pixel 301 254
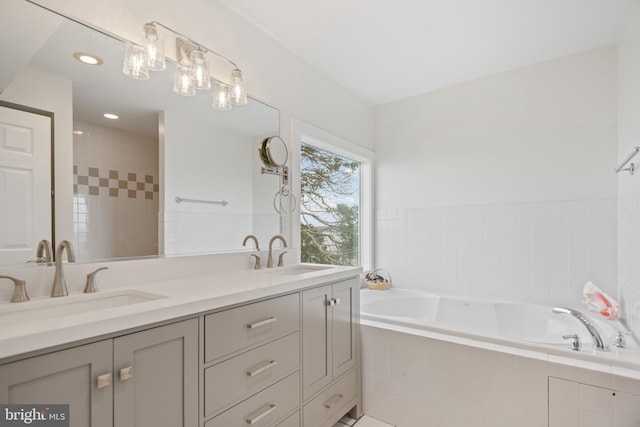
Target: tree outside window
pixel 329 207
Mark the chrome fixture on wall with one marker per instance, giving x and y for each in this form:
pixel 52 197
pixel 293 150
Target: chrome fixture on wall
pixel 274 155
pixel 631 168
pixel 193 70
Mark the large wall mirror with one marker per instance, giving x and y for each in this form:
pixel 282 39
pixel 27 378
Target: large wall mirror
pixel 145 184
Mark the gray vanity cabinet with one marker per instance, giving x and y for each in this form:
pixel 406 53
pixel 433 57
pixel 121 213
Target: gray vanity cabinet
pixel 65 377
pixel 329 320
pixel 148 378
pixel 156 377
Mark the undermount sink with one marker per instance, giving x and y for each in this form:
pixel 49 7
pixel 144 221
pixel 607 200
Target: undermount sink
pixel 53 308
pixel 300 269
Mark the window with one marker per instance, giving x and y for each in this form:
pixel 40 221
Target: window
pixel 329 207
pixel 355 235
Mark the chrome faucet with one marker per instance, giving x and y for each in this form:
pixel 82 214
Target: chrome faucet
pixel 59 288
pixel 257 257
pixel 44 252
pixel 598 342
pixel 273 239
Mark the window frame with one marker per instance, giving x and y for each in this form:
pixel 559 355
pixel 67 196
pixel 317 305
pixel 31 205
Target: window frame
pixel 303 132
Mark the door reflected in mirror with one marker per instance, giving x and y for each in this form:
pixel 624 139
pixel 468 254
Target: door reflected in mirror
pixel 117 180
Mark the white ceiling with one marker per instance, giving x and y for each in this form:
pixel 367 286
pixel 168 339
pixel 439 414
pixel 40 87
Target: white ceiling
pixel 384 51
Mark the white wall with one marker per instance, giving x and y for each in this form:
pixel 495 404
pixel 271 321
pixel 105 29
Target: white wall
pixel 629 185
pixel 502 187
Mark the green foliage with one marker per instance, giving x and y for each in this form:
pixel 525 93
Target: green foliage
pixel 329 226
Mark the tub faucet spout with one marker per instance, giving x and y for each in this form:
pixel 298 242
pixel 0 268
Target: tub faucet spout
pixel 598 342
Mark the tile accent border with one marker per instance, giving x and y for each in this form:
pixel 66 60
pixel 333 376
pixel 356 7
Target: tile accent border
pixel 115 184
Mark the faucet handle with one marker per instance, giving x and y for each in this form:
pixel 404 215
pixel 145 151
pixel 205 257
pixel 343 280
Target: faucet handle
pixel 281 259
pixel 257 257
pixel 576 344
pixel 620 341
pixel 19 291
pixel 91 287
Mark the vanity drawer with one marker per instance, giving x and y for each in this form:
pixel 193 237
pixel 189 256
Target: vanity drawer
pixel 232 330
pixel 329 402
pixel 264 408
pixel 250 372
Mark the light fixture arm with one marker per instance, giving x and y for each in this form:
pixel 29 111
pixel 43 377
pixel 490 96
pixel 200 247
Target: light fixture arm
pixel 200 46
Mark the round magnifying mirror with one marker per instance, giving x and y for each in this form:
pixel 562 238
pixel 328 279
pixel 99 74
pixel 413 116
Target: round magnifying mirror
pixel 273 152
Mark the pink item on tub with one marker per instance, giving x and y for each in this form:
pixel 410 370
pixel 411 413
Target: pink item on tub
pixel 600 302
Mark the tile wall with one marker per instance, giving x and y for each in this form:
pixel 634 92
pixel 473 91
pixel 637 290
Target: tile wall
pixel 414 381
pixel 115 193
pixel 629 257
pixel 540 252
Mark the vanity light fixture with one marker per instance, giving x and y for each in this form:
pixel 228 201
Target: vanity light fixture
pixel 193 71
pixel 87 58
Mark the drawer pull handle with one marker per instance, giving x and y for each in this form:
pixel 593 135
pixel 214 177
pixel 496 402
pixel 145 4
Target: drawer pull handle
pixel 104 381
pixel 126 373
pixel 269 410
pixel 262 323
pixel 331 402
pixel 262 368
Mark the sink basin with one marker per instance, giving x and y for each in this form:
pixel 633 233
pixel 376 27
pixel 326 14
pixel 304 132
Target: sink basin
pixel 53 308
pixel 300 269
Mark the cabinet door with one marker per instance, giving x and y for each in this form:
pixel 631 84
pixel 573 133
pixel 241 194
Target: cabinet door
pixel 344 326
pixel 65 377
pixel 156 377
pixel 316 340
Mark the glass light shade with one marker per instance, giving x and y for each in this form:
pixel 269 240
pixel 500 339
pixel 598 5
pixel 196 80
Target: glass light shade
pixel 135 62
pixel 183 82
pixel 221 97
pixel 200 69
pixel 154 45
pixel 237 93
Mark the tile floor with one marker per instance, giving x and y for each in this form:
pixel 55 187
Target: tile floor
pixel 365 421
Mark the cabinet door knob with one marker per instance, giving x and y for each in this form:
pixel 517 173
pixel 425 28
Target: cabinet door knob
pixel 337 301
pixel 262 368
pixel 331 402
pixel 104 381
pixel 126 373
pixel 270 408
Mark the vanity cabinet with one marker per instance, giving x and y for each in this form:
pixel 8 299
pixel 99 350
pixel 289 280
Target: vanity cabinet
pixel 252 364
pixel 148 378
pixel 329 321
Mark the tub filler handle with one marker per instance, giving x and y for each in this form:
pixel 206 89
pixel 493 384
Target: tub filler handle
pixel 576 345
pixel 598 342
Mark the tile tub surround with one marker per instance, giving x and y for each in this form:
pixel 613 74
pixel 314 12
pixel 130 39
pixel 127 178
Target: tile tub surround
pixel 414 381
pixel 629 257
pixel 537 252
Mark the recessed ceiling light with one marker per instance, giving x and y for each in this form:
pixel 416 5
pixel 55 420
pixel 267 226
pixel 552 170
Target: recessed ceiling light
pixel 111 116
pixel 78 132
pixel 88 58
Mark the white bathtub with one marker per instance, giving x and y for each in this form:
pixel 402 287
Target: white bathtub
pixel 499 322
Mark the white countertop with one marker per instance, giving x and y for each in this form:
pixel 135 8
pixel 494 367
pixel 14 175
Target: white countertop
pixel 180 297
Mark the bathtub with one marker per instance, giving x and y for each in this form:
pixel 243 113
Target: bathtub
pixel 446 361
pixel 519 325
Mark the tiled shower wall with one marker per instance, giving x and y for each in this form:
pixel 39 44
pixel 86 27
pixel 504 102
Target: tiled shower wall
pixel 540 252
pixel 629 257
pixel 115 209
